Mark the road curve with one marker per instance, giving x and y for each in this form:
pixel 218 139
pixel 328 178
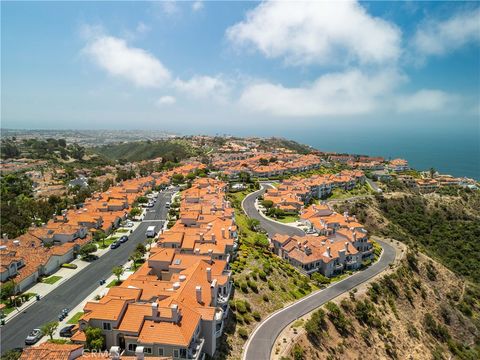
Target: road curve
pixel 77 288
pixel 271 227
pixel 262 340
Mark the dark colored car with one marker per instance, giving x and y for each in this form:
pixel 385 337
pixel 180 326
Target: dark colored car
pixel 115 245
pixel 67 331
pixel 123 239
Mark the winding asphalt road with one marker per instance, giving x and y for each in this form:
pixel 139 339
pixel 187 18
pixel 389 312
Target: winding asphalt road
pixel 261 341
pixel 271 227
pixel 76 289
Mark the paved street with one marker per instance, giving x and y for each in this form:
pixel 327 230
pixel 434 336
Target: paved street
pixel 77 288
pixel 260 343
pixel 271 227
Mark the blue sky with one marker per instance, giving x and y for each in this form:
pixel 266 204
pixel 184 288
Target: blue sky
pixel 240 67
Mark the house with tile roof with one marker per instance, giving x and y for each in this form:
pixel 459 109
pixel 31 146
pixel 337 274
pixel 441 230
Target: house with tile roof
pixel 176 303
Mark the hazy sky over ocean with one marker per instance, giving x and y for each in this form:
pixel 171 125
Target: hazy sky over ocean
pixel 303 69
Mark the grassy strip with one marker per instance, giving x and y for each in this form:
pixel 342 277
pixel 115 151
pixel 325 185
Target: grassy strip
pixel 52 279
pixel 74 319
pixel 113 283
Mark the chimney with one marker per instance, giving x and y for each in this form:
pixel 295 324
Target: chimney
pixel 346 246
pixel 197 251
pixel 198 291
pixel 223 233
pixel 354 235
pixel 209 275
pixel 174 308
pixel 329 253
pixel 210 253
pixel 229 232
pixel 214 237
pixel 115 352
pixel 16 242
pixel 201 236
pixel 139 353
pixel 154 310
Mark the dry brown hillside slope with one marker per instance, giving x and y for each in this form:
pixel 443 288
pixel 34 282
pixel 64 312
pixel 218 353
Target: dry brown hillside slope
pixel 421 311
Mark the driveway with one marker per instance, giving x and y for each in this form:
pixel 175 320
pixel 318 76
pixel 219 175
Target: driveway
pixel 77 288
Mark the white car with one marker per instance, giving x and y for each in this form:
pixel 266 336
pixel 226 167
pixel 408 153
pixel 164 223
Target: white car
pixel 129 224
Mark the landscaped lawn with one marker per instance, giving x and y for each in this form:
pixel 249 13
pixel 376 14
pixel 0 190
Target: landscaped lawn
pixel 108 242
pixel 288 219
pixel 113 283
pixel 74 319
pixel 122 231
pixel 52 279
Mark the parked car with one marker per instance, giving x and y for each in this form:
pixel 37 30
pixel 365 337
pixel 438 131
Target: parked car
pixel 150 204
pixel 115 245
pixel 167 204
pixel 129 224
pixel 67 331
pixel 123 239
pixel 33 337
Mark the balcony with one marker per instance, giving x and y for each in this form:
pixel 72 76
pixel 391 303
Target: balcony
pixel 219 330
pixel 223 298
pixel 195 349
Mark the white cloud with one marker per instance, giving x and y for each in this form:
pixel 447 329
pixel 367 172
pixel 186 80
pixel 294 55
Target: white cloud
pixel 142 28
pixel 203 86
pixel 435 37
pixel 347 93
pixel 318 32
pixel 170 7
pixel 197 5
pixel 425 100
pixel 165 100
pixel 133 64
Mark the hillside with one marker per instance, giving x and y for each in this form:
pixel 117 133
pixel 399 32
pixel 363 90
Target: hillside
pixel 170 150
pixel 273 142
pixel 420 311
pixel 445 227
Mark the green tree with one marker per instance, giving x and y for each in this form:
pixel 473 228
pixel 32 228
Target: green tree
pixel 135 212
pixel 87 249
pixel 118 271
pixel 49 328
pixel 141 249
pixel 267 204
pixel 136 256
pixel 7 290
pixel 94 338
pixel 99 235
pixel 252 223
pixel 11 355
pixel 177 179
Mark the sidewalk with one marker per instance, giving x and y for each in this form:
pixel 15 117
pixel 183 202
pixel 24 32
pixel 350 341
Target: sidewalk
pixel 43 289
pixel 100 291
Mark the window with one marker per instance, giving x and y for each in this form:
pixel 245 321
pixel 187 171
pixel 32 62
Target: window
pixel 160 352
pixel 175 353
pixel 183 353
pixel 107 326
pixel 132 347
pixel 147 350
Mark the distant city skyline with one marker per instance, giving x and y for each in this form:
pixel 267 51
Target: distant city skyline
pixel 241 67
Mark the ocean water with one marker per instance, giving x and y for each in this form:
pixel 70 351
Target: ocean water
pixel 450 150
